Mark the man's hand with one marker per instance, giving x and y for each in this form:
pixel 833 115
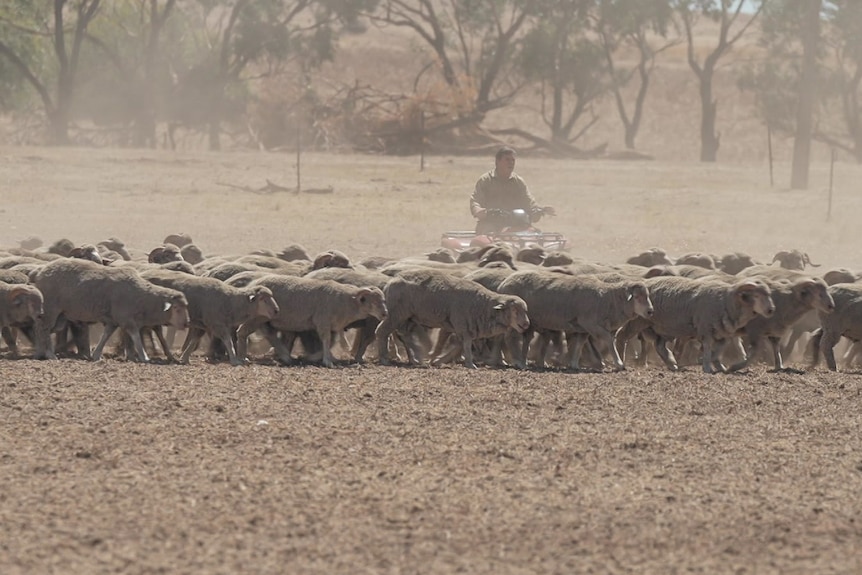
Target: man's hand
pixel 481 214
pixel 549 211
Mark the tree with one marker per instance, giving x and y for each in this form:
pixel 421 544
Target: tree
pixel 24 23
pixel 731 27
pixel 471 41
pixel 833 86
pixel 126 76
pixel 568 68
pixel 629 24
pixel 807 95
pixel 243 40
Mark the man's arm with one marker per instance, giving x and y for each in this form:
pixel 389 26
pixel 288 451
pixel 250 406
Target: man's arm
pixel 477 201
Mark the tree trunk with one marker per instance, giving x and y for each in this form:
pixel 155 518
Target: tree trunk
pixel 709 140
pixel 807 95
pixel 214 131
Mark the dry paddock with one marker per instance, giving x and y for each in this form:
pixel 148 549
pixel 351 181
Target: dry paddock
pixel 114 467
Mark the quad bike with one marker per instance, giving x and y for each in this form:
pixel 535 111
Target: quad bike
pixel 517 230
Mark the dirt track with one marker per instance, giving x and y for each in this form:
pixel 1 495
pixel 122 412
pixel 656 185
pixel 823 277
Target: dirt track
pixel 115 467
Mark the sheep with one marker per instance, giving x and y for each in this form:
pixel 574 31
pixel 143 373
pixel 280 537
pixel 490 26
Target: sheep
pixel 437 300
pixel 844 321
pixel 9 262
pixel 331 259
pixel 489 277
pixel 711 311
pixel 192 254
pixel 697 259
pixel 651 257
pixel 376 262
pixel 275 265
pixel 557 258
pixel 792 300
pixel 367 278
pixel 13 277
pixel 444 255
pixel 61 247
pixel 498 253
pixel 531 254
pixel 216 308
pixel 294 252
pixel 85 292
pixel 180 240
pixel 579 306
pixel 31 243
pixel 87 252
pixel 324 306
pixel 398 267
pixel 20 306
pixel 793 260
pixel 164 254
pixel 735 262
pixel 472 254
pixel 114 245
pixel 227 270
pixel 841 276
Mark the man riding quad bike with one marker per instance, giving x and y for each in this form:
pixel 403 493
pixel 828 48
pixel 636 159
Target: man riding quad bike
pixel 505 211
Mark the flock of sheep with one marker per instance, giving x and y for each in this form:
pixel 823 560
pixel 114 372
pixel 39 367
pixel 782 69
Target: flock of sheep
pixel 493 305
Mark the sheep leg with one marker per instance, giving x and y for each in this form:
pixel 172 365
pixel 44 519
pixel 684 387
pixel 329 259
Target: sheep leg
pixel 751 353
pixel 242 335
pixel 382 333
pixel 106 334
pixel 601 334
pixel 515 343
pixel 364 338
pixel 325 335
pixel 10 336
pixel 225 336
pixel 666 355
pixel 467 350
pixel 452 353
pixel 495 354
pixel 138 342
pixel 710 361
pixel 826 344
pixel 443 338
pixel 576 344
pixel 193 339
pixel 541 349
pixel 164 342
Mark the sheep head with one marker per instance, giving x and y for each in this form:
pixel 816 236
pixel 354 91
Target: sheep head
pixel 27 299
pixel 756 295
pixel 266 306
pixel 513 313
pixel 371 302
pixel 815 293
pixel 638 294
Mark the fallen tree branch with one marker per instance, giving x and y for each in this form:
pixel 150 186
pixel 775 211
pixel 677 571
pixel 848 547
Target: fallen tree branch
pixel 271 188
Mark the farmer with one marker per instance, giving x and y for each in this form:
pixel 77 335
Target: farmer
pixel 503 189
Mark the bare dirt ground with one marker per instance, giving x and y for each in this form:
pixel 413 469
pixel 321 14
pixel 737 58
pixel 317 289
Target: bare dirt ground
pixel 117 467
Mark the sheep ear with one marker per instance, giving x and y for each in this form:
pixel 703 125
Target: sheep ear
pixel 167 306
pixel 18 296
pixel 252 296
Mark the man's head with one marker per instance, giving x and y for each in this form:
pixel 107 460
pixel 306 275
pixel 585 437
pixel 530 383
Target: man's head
pixel 505 162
